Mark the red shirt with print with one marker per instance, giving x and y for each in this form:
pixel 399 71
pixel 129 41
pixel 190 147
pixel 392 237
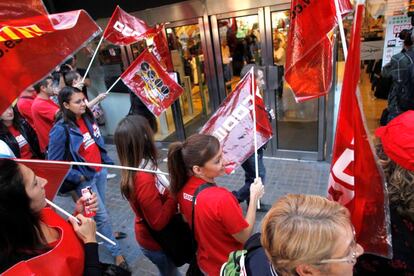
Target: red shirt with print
pixel 218 216
pixel 89 150
pixel 25 150
pixel 43 113
pixel 153 203
pixel 24 105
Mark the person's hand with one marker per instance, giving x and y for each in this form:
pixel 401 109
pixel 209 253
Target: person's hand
pixel 78 84
pixel 86 230
pixel 101 96
pixel 92 203
pixel 256 190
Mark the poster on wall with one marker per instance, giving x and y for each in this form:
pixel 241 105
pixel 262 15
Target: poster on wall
pixel 392 44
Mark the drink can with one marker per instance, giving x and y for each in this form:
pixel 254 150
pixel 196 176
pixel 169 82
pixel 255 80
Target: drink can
pixel 86 195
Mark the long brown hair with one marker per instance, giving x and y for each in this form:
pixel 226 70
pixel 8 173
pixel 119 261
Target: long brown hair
pixel 196 150
pixel 134 142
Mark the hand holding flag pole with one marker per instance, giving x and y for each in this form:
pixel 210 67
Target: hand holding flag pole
pixel 63 211
pixel 256 161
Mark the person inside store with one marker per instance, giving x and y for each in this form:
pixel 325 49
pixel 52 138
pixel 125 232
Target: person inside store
pixel 218 223
pixel 76 136
pixel 147 193
pixel 19 136
pixel 279 58
pixel 34 240
pixel 398 99
pixel 309 235
pixel 396 157
pixel 243 194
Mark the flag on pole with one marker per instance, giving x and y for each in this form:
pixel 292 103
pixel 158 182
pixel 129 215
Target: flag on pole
pixel 29 54
pixel 233 124
pixel 124 29
pixel 151 83
pixel 160 49
pixel 309 55
pixel 355 179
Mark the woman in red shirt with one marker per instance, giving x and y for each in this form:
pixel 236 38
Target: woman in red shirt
pixel 147 193
pixel 219 223
pixel 19 135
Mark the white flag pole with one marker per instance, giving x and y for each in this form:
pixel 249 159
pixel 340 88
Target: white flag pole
pixel 63 211
pixel 91 165
pixel 256 163
pixel 112 86
pixel 341 28
pixel 93 57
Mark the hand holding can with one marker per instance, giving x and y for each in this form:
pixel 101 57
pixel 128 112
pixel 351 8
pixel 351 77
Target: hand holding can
pixel 86 198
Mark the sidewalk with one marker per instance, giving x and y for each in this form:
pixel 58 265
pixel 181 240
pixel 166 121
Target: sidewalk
pixel 282 177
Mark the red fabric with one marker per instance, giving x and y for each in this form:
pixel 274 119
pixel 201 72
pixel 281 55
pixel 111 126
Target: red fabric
pixel 89 150
pixel 355 180
pixel 151 83
pixel 397 139
pixel 155 205
pixel 124 29
pixel 23 60
pixel 24 105
pixel 309 52
pixel 66 258
pixel 19 9
pixel 25 150
pixel 161 51
pixel 233 124
pixel 43 113
pixel 218 216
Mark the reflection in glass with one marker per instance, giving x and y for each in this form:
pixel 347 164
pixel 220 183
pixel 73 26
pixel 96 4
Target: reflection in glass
pixel 297 123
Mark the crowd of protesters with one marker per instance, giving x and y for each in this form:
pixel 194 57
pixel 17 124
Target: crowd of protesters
pixel 300 234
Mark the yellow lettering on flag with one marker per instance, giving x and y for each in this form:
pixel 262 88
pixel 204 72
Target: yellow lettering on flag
pixel 10 33
pixel 31 31
pixel 2 39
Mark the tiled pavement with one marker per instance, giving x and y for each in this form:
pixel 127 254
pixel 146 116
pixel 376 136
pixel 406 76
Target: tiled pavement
pixel 282 177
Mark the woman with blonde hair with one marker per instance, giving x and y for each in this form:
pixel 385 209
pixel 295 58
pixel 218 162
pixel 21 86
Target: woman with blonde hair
pixel 309 235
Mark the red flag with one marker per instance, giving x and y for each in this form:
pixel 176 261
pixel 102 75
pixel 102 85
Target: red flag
pixel 10 10
pixel 151 83
pixel 232 124
pixel 309 55
pixel 355 180
pixel 124 29
pixel 25 61
pixel 54 172
pixel 160 50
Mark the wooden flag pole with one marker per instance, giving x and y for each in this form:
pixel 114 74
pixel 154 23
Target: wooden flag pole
pixel 63 211
pixel 256 162
pixel 93 57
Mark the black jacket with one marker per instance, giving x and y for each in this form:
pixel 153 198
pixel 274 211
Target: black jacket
pixel 257 262
pixel 28 133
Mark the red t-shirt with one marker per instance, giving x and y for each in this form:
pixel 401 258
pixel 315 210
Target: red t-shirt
pixel 24 105
pixel 89 150
pixel 218 216
pixel 154 203
pixel 25 150
pixel 43 113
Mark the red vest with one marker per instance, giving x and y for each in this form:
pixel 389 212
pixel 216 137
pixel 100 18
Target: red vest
pixel 67 258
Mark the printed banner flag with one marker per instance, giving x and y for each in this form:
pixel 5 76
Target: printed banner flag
pixel 28 55
pixel 151 83
pixel 124 29
pixel 355 180
pixel 233 125
pixel 160 49
pixel 54 174
pixel 309 54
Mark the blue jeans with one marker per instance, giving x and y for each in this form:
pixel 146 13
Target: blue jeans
pixel 162 261
pixel 103 223
pixel 250 174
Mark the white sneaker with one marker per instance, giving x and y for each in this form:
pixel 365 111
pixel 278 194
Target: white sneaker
pixel 110 175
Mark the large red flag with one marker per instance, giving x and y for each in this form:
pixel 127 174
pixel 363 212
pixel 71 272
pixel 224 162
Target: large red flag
pixel 151 83
pixel 124 29
pixel 233 125
pixel 356 180
pixel 31 56
pixel 160 49
pixel 309 53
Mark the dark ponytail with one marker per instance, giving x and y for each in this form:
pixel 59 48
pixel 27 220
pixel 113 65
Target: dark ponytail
pixel 196 150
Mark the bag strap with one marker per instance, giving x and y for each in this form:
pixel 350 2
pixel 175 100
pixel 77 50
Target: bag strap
pixel 196 193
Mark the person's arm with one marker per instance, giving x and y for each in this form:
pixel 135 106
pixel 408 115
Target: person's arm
pixel 256 192
pixel 96 100
pixel 156 213
pixel 387 69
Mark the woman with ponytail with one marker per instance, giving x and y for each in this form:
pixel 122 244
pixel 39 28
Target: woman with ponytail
pixel 219 225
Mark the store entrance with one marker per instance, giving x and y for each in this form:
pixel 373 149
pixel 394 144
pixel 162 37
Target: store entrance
pixel 260 36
